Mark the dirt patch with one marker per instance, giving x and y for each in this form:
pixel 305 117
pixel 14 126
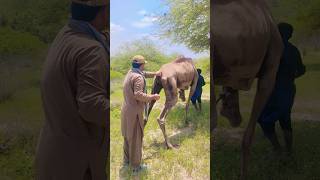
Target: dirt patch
pixel 182 132
pixel 297 116
pixel 226 135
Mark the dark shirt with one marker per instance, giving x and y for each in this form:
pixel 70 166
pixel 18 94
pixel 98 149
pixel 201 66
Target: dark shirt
pixel 282 97
pixel 200 83
pixel 290 66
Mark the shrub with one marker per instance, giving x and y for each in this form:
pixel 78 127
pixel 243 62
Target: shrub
pixel 18 43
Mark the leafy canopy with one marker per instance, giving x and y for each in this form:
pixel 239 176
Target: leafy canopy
pixel 187 22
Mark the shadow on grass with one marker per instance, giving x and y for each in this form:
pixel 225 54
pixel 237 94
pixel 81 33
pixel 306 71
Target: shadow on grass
pixel 200 120
pixel 313 67
pixel 264 164
pixel 176 139
pixel 196 120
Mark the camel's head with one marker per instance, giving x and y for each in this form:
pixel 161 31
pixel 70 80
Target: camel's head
pixel 182 96
pixel 156 88
pixel 230 106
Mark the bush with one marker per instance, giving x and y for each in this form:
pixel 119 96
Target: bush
pixel 18 43
pixel 7 89
pixel 37 17
pixel 121 62
pixel 115 75
pixel 204 65
pixel 17 73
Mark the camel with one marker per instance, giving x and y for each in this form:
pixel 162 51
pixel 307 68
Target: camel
pixel 246 44
pixel 177 76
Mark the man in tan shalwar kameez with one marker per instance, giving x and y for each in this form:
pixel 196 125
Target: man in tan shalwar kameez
pixel 133 112
pixel 73 143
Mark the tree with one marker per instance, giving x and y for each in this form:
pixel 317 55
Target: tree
pixel 187 22
pixel 41 18
pixel 145 47
pixel 304 17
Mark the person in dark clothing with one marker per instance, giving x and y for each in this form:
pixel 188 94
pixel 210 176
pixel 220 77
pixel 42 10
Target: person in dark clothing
pixel 281 100
pixel 198 92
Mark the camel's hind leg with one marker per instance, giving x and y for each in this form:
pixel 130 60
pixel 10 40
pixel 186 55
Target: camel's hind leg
pixel 266 81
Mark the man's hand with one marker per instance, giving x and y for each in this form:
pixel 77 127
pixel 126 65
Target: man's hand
pixel 159 73
pixel 155 97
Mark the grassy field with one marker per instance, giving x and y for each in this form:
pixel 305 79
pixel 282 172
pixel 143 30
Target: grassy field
pixel 264 164
pixel 20 117
pixel 190 161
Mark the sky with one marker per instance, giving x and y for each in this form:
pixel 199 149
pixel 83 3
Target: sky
pixel 136 19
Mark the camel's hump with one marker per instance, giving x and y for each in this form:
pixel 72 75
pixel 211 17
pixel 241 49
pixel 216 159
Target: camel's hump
pixel 178 67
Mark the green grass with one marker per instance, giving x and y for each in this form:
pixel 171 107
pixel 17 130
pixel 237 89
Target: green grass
pixel 21 119
pixel 21 116
pixel 191 160
pixel 15 42
pixel 264 164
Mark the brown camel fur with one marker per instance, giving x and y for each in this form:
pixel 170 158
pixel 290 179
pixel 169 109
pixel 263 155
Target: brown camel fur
pixel 246 45
pixel 176 77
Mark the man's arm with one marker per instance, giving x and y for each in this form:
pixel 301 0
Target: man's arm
pixel 151 74
pixel 139 95
pixel 92 83
pixel 203 82
pixel 301 69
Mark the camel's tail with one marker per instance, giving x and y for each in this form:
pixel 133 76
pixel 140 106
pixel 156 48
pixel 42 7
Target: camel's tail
pixel 156 88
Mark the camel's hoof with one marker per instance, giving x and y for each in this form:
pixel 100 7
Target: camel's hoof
pixel 172 146
pixel 186 122
pixel 235 119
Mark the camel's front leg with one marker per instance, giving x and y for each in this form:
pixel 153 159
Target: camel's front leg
pixel 261 97
pixel 267 76
pixel 170 89
pixel 162 122
pixel 260 100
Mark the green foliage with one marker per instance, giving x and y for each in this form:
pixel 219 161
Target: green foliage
pixel 204 65
pixel 309 16
pixel 115 75
pixel 17 43
pixel 303 15
pixel 166 164
pixel 21 119
pixel 187 22
pixel 42 18
pixel 121 62
pixel 18 72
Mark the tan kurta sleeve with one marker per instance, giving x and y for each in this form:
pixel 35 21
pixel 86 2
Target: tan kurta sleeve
pixel 138 93
pixel 92 83
pixel 149 74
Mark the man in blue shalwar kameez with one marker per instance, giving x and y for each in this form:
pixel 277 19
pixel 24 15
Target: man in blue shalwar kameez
pixel 198 92
pixel 282 98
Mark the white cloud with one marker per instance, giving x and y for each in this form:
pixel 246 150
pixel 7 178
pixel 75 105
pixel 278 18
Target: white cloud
pixel 142 12
pixel 145 22
pixel 115 27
